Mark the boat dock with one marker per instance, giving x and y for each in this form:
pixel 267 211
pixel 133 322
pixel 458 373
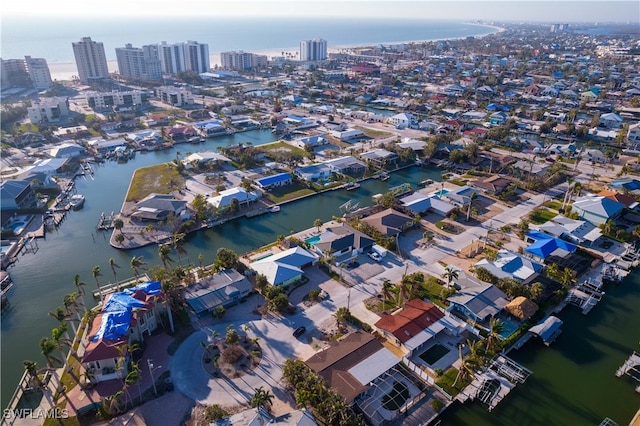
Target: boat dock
pixel 548 330
pixel 631 368
pixel 495 382
pixel 105 222
pixel 584 297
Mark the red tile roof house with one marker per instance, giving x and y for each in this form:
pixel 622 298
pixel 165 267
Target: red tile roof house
pixel 124 319
pixel 419 325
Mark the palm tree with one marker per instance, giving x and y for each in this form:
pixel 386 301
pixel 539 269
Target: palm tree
pixel 536 291
pixel 495 328
pixel 47 346
pixel 552 271
pixel 341 316
pixel 406 289
pixel 163 252
pixel 317 223
pixel 386 292
pixel 136 264
pixel 114 266
pixel 567 277
pixel 70 302
pixel 262 398
pixel 96 273
pixel 472 198
pixel 80 291
pixel 450 274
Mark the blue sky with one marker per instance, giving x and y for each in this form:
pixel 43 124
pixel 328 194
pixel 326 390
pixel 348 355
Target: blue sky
pixel 505 10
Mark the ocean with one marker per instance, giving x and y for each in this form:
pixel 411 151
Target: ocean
pixel 51 39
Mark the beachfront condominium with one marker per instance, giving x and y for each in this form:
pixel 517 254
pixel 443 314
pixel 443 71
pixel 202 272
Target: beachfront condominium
pixel 27 72
pixel 239 60
pixel 181 57
pixel 38 71
pixel 313 50
pixel 139 63
pixel 196 57
pixel 90 60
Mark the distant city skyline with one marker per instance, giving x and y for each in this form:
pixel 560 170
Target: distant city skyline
pixel 501 10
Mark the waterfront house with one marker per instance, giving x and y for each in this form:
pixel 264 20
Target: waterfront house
pixel 156 207
pixel 104 145
pixel 418 203
pixel 478 302
pixel 544 245
pixel 224 198
pixel 124 318
pixel 380 157
pixel 66 133
pixel 389 222
pixel 412 144
pixel 532 168
pixel 284 268
pixel 417 325
pixel 204 159
pixel 460 197
pixel 225 288
pixel 67 150
pixel 521 308
pixel 343 242
pixel 272 181
pixel 361 370
pixel 210 128
pixel 310 141
pixel 510 265
pixel 16 195
pixel 181 133
pixel 321 171
pixel 597 209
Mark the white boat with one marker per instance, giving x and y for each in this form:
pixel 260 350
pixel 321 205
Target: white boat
pixel 351 186
pixel 274 209
pixel 76 201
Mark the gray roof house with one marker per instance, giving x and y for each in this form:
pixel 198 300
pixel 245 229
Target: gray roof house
pixel 343 240
pixel 225 288
pixel 478 302
pixel 158 207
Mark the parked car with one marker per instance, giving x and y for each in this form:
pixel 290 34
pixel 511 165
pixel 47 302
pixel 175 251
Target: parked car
pixel 375 256
pixel 299 331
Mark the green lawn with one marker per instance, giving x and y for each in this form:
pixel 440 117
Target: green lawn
pixel 459 182
pixel 373 133
pixel 396 397
pixel 288 192
pixel 447 227
pixel 431 290
pixel 283 147
pixel 555 205
pixel 540 216
pixel 160 179
pixel 447 379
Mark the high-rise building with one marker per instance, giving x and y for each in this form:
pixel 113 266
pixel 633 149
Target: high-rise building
pixel 138 63
pixel 171 57
pixel 38 71
pixel 239 60
pixel 14 73
pixel 196 56
pixel 313 50
pixel 90 60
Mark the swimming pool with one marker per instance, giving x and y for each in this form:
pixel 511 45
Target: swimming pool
pixel 18 224
pixel 509 327
pixel 441 193
pixel 313 240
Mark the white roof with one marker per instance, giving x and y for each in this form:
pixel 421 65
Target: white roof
pixel 374 366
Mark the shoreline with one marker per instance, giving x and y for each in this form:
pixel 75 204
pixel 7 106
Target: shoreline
pixel 64 71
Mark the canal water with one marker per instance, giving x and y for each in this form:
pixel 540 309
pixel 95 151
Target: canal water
pixel 42 279
pixel 573 381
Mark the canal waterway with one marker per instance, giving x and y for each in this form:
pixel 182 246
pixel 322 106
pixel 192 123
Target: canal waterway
pixel 573 381
pixel 42 279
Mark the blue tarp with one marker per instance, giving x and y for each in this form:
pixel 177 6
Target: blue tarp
pixel 545 244
pixel 117 312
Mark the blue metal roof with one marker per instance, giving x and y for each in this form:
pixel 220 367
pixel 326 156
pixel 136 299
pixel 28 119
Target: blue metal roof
pixel 546 244
pixel 270 180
